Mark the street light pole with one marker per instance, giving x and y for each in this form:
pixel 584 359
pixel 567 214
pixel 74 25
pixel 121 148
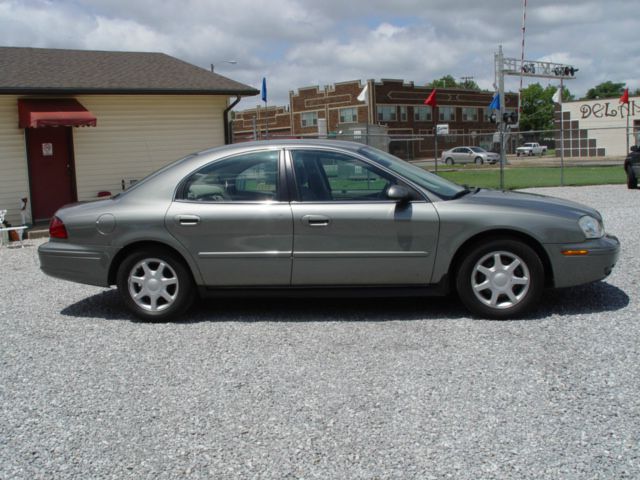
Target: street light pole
pixel 230 62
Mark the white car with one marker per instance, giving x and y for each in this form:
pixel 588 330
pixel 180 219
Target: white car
pixel 475 155
pixel 531 148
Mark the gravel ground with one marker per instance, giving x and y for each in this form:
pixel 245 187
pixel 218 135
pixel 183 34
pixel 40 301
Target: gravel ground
pixel 402 388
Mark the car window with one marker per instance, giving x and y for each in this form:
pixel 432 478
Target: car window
pixel 247 177
pixel 433 183
pixel 329 176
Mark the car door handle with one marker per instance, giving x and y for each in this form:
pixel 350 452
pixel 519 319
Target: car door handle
pixel 188 220
pixel 316 220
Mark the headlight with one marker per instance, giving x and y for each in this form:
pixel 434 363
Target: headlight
pixel 591 227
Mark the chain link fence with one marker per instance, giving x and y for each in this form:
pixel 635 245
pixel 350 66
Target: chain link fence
pixel 556 155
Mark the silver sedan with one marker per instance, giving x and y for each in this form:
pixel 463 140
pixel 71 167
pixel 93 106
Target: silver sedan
pixel 477 155
pixel 323 217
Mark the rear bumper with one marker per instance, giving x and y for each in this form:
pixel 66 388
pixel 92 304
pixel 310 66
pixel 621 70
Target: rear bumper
pixel 569 271
pixel 76 263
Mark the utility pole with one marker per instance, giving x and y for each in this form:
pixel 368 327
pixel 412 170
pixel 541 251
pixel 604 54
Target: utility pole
pixel 499 62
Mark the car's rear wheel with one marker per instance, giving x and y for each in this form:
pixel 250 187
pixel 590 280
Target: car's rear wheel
pixel 632 180
pixel 479 161
pixel 448 161
pixel 500 278
pixel 155 285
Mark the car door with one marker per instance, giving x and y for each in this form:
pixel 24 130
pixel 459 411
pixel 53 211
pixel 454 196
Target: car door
pixel 234 218
pixel 345 229
pixel 459 155
pixel 463 155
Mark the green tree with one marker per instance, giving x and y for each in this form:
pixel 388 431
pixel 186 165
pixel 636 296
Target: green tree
pixel 445 82
pixel 449 82
pixel 606 89
pixel 538 107
pixel 469 84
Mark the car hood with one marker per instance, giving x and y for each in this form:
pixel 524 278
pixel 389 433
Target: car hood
pixel 530 201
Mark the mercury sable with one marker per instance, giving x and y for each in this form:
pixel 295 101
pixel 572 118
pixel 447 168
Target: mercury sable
pixel 323 217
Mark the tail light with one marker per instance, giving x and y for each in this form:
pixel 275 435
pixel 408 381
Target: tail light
pixel 57 228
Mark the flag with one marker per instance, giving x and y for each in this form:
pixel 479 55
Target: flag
pixel 495 103
pixel 264 89
pixel 431 99
pixel 363 94
pixel 625 96
pixel 556 97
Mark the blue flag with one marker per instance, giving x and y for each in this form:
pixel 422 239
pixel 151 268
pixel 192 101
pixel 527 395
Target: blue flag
pixel 264 89
pixel 495 103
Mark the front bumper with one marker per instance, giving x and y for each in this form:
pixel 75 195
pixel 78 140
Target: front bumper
pixel 569 271
pixel 76 263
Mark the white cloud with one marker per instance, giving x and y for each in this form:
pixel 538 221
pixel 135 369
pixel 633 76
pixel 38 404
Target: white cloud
pixel 298 43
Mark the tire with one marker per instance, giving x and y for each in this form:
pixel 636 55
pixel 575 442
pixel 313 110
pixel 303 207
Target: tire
pixel 448 161
pixel 632 181
pixel 165 279
pixel 479 161
pixel 507 290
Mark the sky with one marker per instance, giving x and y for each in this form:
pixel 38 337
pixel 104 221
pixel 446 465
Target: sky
pixel 301 43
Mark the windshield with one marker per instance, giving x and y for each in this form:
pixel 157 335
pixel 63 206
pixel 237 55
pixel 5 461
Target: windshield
pixel 429 181
pixel 478 149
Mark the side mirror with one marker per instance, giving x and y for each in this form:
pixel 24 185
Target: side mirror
pixel 399 194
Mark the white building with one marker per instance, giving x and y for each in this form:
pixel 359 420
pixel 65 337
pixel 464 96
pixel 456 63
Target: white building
pixel 77 123
pixel 598 128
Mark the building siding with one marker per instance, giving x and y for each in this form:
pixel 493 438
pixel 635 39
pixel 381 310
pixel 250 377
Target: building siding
pixel 14 175
pixel 139 134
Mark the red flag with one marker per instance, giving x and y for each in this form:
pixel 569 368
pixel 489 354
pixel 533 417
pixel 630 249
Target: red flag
pixel 625 96
pixel 431 99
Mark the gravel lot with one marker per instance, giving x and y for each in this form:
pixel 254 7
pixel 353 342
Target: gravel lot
pixel 401 388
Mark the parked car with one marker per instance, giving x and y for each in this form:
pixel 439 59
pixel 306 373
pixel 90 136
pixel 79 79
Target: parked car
pixel 323 217
pixel 531 148
pixel 475 155
pixel 632 167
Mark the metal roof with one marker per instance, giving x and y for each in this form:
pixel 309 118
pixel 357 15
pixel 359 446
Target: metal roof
pixel 57 71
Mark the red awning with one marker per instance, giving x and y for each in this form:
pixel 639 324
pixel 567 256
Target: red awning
pixel 58 112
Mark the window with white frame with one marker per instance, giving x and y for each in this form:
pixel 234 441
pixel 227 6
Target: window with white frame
pixel 447 114
pixel 403 113
pixel 422 113
pixel 387 113
pixel 348 115
pixel 309 119
pixel 469 114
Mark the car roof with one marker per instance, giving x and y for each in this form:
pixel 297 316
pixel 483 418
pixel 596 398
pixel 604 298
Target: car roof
pixel 286 143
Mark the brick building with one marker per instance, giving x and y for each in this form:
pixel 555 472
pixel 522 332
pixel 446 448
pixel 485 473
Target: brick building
pixel 397 105
pixel 260 122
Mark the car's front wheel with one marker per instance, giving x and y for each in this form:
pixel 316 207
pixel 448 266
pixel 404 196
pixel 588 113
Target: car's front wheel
pixel 479 161
pixel 155 285
pixel 500 278
pixel 448 161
